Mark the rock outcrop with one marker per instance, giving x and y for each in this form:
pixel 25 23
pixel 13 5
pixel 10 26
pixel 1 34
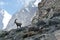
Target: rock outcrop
pixel 26 33
pixel 47 16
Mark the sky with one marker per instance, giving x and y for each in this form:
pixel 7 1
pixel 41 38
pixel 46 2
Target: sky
pixel 11 5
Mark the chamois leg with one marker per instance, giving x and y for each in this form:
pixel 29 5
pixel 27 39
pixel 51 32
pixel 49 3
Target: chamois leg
pixel 20 26
pixel 17 27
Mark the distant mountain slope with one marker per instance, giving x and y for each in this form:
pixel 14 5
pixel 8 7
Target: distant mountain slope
pixel 1 18
pixel 24 16
pixel 4 18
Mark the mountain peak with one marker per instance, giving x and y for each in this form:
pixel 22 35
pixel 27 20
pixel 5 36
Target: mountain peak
pixel 6 17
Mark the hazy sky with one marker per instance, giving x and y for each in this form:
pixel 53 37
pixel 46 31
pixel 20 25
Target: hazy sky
pixel 10 5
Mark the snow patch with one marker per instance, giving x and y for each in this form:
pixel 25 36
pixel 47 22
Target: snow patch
pixel 27 2
pixel 33 6
pixel 27 9
pixel 22 10
pixel 36 2
pixel 6 18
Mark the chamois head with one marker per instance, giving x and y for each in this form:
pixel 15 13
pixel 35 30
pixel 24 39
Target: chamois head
pixel 15 21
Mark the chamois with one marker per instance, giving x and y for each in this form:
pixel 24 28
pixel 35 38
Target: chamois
pixel 17 24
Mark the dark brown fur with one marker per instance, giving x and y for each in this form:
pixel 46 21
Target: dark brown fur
pixel 18 24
